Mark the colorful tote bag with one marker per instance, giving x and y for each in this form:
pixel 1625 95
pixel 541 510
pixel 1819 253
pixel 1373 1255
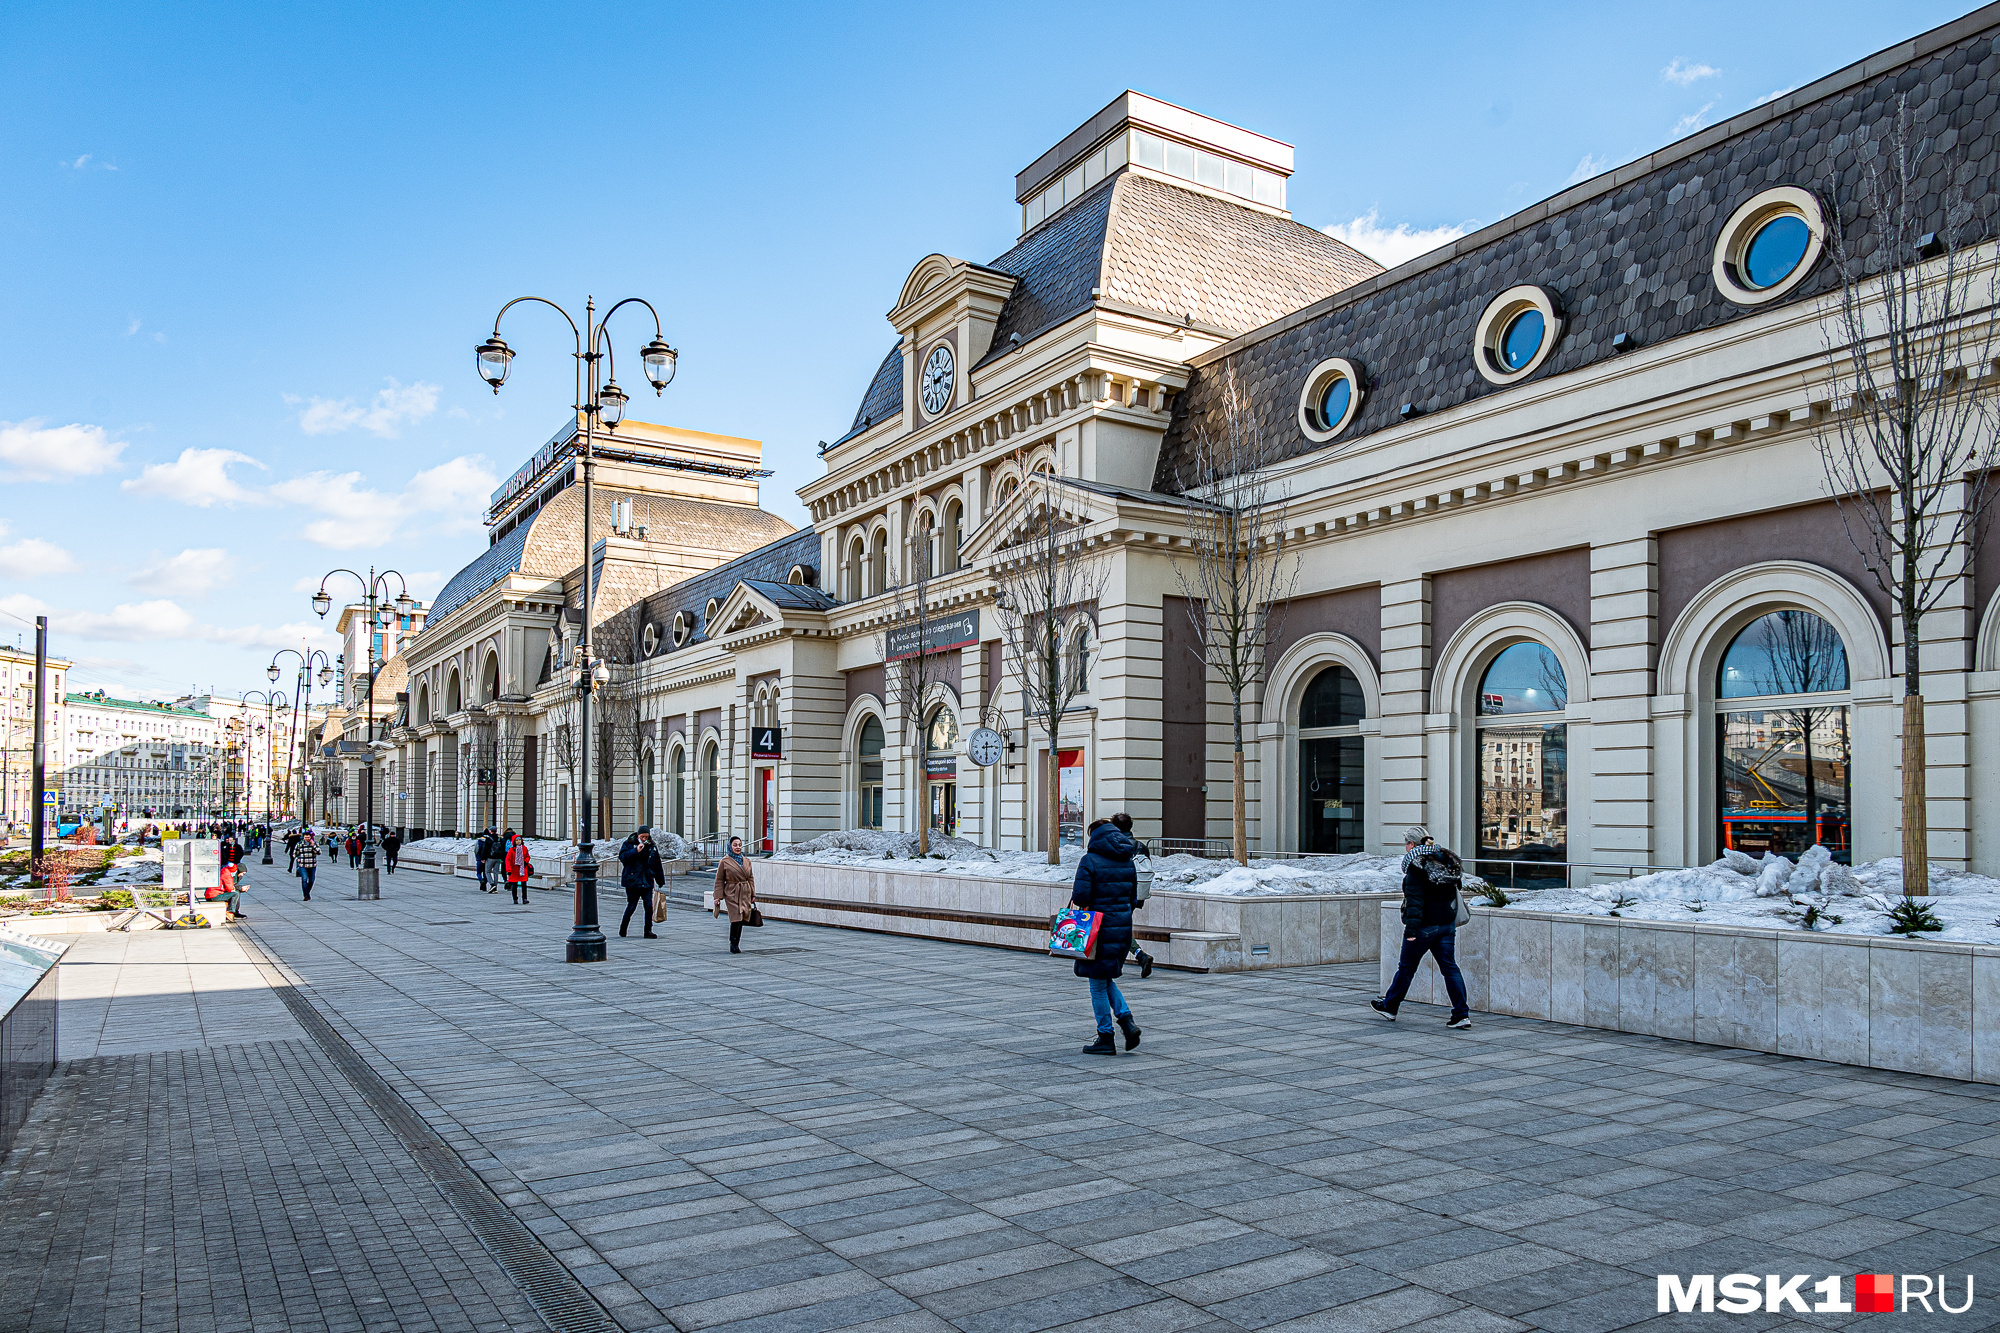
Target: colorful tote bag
pixel 1075 933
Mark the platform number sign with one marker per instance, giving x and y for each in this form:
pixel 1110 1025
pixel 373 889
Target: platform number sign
pixel 767 743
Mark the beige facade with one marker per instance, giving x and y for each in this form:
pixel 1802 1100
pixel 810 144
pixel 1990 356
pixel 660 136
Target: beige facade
pixel 17 730
pixel 148 759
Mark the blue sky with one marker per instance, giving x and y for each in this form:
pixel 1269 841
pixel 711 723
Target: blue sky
pixel 245 251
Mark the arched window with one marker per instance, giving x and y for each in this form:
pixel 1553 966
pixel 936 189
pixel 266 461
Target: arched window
pixel 869 756
pixel 1782 718
pixel 423 703
pixel 923 547
pixel 489 688
pixel 646 781
pixel 878 563
pixel 953 535
pixel 451 701
pixel 857 565
pixel 941 768
pixel 710 825
pixel 1332 764
pixel 1523 765
pixel 677 793
pixel 1007 489
pixel 1079 658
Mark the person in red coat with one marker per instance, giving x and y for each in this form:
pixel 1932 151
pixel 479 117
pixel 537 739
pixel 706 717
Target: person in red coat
pixel 518 866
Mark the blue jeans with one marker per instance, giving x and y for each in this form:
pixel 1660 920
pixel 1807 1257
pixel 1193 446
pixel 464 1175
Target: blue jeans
pixel 1106 1001
pixel 1439 942
pixel 306 874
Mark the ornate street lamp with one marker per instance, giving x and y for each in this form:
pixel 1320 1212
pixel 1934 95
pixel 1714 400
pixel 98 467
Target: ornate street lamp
pixel 376 589
pixel 302 695
pixel 596 403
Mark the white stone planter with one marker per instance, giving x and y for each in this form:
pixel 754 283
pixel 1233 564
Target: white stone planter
pixel 1880 1001
pixel 1204 932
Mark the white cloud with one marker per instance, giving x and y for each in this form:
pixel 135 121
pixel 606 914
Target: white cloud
pixel 1774 95
pixel 199 477
pixel 37 451
pixel 132 326
pixel 1390 246
pixel 1588 167
pixel 1691 122
pixel 86 162
pixel 1682 73
pixel 453 494
pixel 162 619
pixel 190 574
pixel 385 415
pixel 33 558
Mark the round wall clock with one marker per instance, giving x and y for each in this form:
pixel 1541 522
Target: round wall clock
pixel 937 380
pixel 984 747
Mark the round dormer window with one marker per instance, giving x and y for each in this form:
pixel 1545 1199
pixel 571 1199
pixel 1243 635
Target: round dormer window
pixel 1331 396
pixel 681 628
pixel 1769 245
pixel 650 640
pixel 1517 331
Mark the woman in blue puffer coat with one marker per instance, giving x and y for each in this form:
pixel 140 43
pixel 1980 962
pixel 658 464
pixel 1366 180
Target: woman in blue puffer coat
pixel 1107 882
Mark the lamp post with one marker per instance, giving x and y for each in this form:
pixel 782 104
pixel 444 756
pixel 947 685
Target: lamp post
pixel 594 402
pixel 303 694
pixel 376 587
pixel 267 732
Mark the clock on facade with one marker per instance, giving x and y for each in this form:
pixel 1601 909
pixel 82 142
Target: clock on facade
pixel 937 380
pixel 984 747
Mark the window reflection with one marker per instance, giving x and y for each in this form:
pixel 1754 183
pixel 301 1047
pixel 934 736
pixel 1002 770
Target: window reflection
pixel 1784 779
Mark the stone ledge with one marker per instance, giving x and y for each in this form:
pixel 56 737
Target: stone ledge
pixel 1882 1002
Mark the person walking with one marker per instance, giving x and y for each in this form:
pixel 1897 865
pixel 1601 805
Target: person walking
pixel 1432 879
pixel 1123 823
pixel 642 871
pixel 291 851
pixel 496 854
pixel 307 863
pixel 391 844
pixel 482 857
pixel 736 889
pixel 517 866
pixel 1106 882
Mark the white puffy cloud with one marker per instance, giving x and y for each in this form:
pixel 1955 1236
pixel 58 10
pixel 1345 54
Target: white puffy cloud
pixel 1682 73
pixel 199 477
pixel 385 414
pixel 1390 246
pixel 32 558
pixel 450 496
pixel 191 573
pixel 162 619
pixel 33 450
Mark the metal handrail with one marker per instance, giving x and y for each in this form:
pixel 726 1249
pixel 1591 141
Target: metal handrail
pixel 1477 866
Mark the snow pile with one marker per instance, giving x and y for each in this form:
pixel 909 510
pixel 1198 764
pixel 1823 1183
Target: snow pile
pixel 1773 892
pixel 1180 873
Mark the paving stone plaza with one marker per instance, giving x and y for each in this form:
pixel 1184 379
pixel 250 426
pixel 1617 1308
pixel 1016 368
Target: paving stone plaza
pixel 411 1114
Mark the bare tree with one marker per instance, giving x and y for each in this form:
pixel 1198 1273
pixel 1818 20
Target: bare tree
pixel 1045 575
pixel 913 664
pixel 1907 450
pixel 1237 573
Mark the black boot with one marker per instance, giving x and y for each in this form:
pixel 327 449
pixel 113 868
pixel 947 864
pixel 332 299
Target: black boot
pixel 1104 1045
pixel 1130 1029
pixel 1145 964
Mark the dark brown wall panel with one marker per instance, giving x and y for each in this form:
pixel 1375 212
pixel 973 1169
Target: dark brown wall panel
pixel 1184 723
pixel 1693 557
pixel 1559 580
pixel 1355 612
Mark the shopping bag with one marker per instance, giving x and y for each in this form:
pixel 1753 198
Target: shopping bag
pixel 1075 933
pixel 659 906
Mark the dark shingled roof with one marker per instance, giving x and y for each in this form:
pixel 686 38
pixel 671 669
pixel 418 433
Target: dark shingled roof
pixel 491 565
pixel 1628 253
pixel 1146 243
pixel 765 565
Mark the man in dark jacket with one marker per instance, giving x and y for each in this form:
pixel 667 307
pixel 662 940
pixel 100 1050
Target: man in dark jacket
pixel 1430 926
pixel 1106 882
pixel 391 844
pixel 483 852
pixel 642 872
pixel 291 850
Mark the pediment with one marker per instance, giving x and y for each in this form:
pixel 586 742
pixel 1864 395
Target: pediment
pixel 941 285
pixel 1074 504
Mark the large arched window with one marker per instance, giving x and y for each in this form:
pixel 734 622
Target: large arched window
pixel 878 563
pixel 647 777
pixel 923 547
pixel 489 688
pixel 1523 765
pixel 1079 658
pixel 952 535
pixel 869 756
pixel 941 768
pixel 1332 764
pixel 1783 737
pixel 710 824
pixel 451 702
pixel 677 794
pixel 857 570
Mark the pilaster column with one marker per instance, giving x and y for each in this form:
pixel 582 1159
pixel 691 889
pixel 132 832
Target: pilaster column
pixel 1406 659
pixel 1624 637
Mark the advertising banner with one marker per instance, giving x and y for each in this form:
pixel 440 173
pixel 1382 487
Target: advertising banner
pixel 936 635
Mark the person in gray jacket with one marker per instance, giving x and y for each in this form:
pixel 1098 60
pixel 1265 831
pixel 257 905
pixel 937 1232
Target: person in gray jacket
pixel 1431 882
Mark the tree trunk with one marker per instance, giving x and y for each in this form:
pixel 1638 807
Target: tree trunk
pixel 923 799
pixel 1049 804
pixel 1916 811
pixel 1240 842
